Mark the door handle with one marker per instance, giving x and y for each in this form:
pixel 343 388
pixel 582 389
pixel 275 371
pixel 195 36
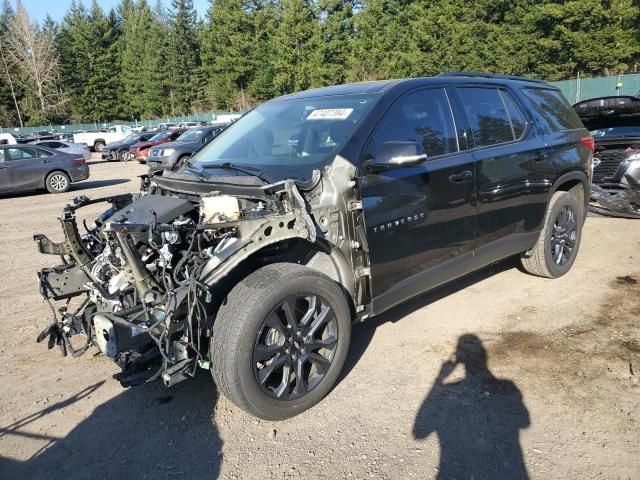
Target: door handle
pixel 46 161
pixel 461 177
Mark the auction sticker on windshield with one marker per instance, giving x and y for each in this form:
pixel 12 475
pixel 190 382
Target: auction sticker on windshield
pixel 330 114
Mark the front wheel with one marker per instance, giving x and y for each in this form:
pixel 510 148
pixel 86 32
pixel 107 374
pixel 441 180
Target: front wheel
pixel 558 244
pixel 123 155
pixel 280 340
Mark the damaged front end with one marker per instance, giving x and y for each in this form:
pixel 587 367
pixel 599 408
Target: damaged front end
pixel 146 278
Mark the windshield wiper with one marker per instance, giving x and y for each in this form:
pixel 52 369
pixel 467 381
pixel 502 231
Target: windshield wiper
pixel 252 171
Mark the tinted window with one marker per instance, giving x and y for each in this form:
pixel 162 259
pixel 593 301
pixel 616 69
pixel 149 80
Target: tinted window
pixel 554 110
pixel 1 155
pixel 487 116
pixel 43 153
pixel 423 116
pixel 22 153
pixel 518 123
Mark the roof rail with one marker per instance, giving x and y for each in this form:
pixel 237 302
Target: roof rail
pixel 497 76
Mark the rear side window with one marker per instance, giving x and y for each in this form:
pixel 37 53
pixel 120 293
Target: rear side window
pixel 518 122
pixel 553 109
pixel 423 116
pixel 1 155
pixel 487 116
pixel 42 153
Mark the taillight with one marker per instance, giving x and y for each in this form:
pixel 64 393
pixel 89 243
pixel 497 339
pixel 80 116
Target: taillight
pixel 589 143
pixel 79 160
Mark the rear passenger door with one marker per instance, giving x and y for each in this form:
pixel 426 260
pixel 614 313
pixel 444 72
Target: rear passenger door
pixel 514 173
pixel 420 219
pixel 5 174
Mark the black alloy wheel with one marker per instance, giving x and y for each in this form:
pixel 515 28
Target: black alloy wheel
pixel 295 346
pixel 564 235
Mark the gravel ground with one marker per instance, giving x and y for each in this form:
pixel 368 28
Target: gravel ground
pixel 547 386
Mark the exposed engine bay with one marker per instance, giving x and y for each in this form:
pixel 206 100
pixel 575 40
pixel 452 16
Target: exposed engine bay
pixel 151 270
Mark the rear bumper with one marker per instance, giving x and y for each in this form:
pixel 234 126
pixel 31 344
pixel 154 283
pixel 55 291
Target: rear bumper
pixel 79 173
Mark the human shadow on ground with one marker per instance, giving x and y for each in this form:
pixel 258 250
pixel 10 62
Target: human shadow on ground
pixel 145 432
pixel 477 419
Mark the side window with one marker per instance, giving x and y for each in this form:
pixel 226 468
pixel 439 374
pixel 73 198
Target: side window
pixel 42 153
pixel 1 155
pixel 175 135
pixel 518 122
pixel 487 115
pixel 21 153
pixel 553 109
pixel 423 116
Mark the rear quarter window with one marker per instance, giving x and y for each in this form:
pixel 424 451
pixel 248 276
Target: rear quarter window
pixel 554 112
pixel 487 115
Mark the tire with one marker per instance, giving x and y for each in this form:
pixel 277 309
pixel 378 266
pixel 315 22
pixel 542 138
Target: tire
pixel 252 325
pixel 550 257
pixel 181 161
pixel 123 155
pixel 57 182
pixel 98 146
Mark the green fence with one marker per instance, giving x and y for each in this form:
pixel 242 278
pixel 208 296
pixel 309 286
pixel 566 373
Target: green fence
pixel 579 89
pixel 204 117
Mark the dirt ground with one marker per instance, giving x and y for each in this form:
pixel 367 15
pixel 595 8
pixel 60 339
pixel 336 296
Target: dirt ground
pixel 549 386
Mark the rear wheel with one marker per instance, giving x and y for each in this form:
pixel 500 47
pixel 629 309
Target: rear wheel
pixel 280 340
pixel 559 241
pixel 98 146
pixel 57 182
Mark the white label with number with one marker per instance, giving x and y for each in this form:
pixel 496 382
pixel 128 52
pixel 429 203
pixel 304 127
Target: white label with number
pixel 330 114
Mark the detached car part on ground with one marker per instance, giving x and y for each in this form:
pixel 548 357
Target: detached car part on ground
pixel 253 260
pixel 615 125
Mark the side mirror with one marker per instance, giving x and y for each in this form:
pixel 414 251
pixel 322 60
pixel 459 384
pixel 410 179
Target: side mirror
pixel 396 155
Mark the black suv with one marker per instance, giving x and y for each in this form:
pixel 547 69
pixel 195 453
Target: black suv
pixel 313 211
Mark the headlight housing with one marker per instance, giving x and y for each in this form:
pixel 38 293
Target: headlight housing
pixel 167 151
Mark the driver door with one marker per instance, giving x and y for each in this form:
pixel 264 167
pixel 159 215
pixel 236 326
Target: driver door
pixel 420 219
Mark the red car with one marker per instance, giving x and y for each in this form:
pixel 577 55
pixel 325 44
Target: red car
pixel 140 151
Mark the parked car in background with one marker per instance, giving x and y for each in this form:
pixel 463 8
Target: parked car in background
pixel 8 139
pixel 172 156
pixel 97 140
pixel 140 151
pixel 614 123
pixel 67 147
pixel 166 125
pixel 30 167
pixel 120 150
pixel 188 124
pixel 66 136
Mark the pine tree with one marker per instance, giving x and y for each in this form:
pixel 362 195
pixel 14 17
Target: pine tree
pixel 228 54
pixel 294 43
pixel 334 42
pixel 183 57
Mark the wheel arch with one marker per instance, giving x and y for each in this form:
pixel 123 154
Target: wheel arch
pixel 575 183
pixel 320 256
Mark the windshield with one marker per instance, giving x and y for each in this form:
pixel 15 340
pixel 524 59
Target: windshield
pixel 191 136
pixel 627 131
pixel 159 136
pixel 289 138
